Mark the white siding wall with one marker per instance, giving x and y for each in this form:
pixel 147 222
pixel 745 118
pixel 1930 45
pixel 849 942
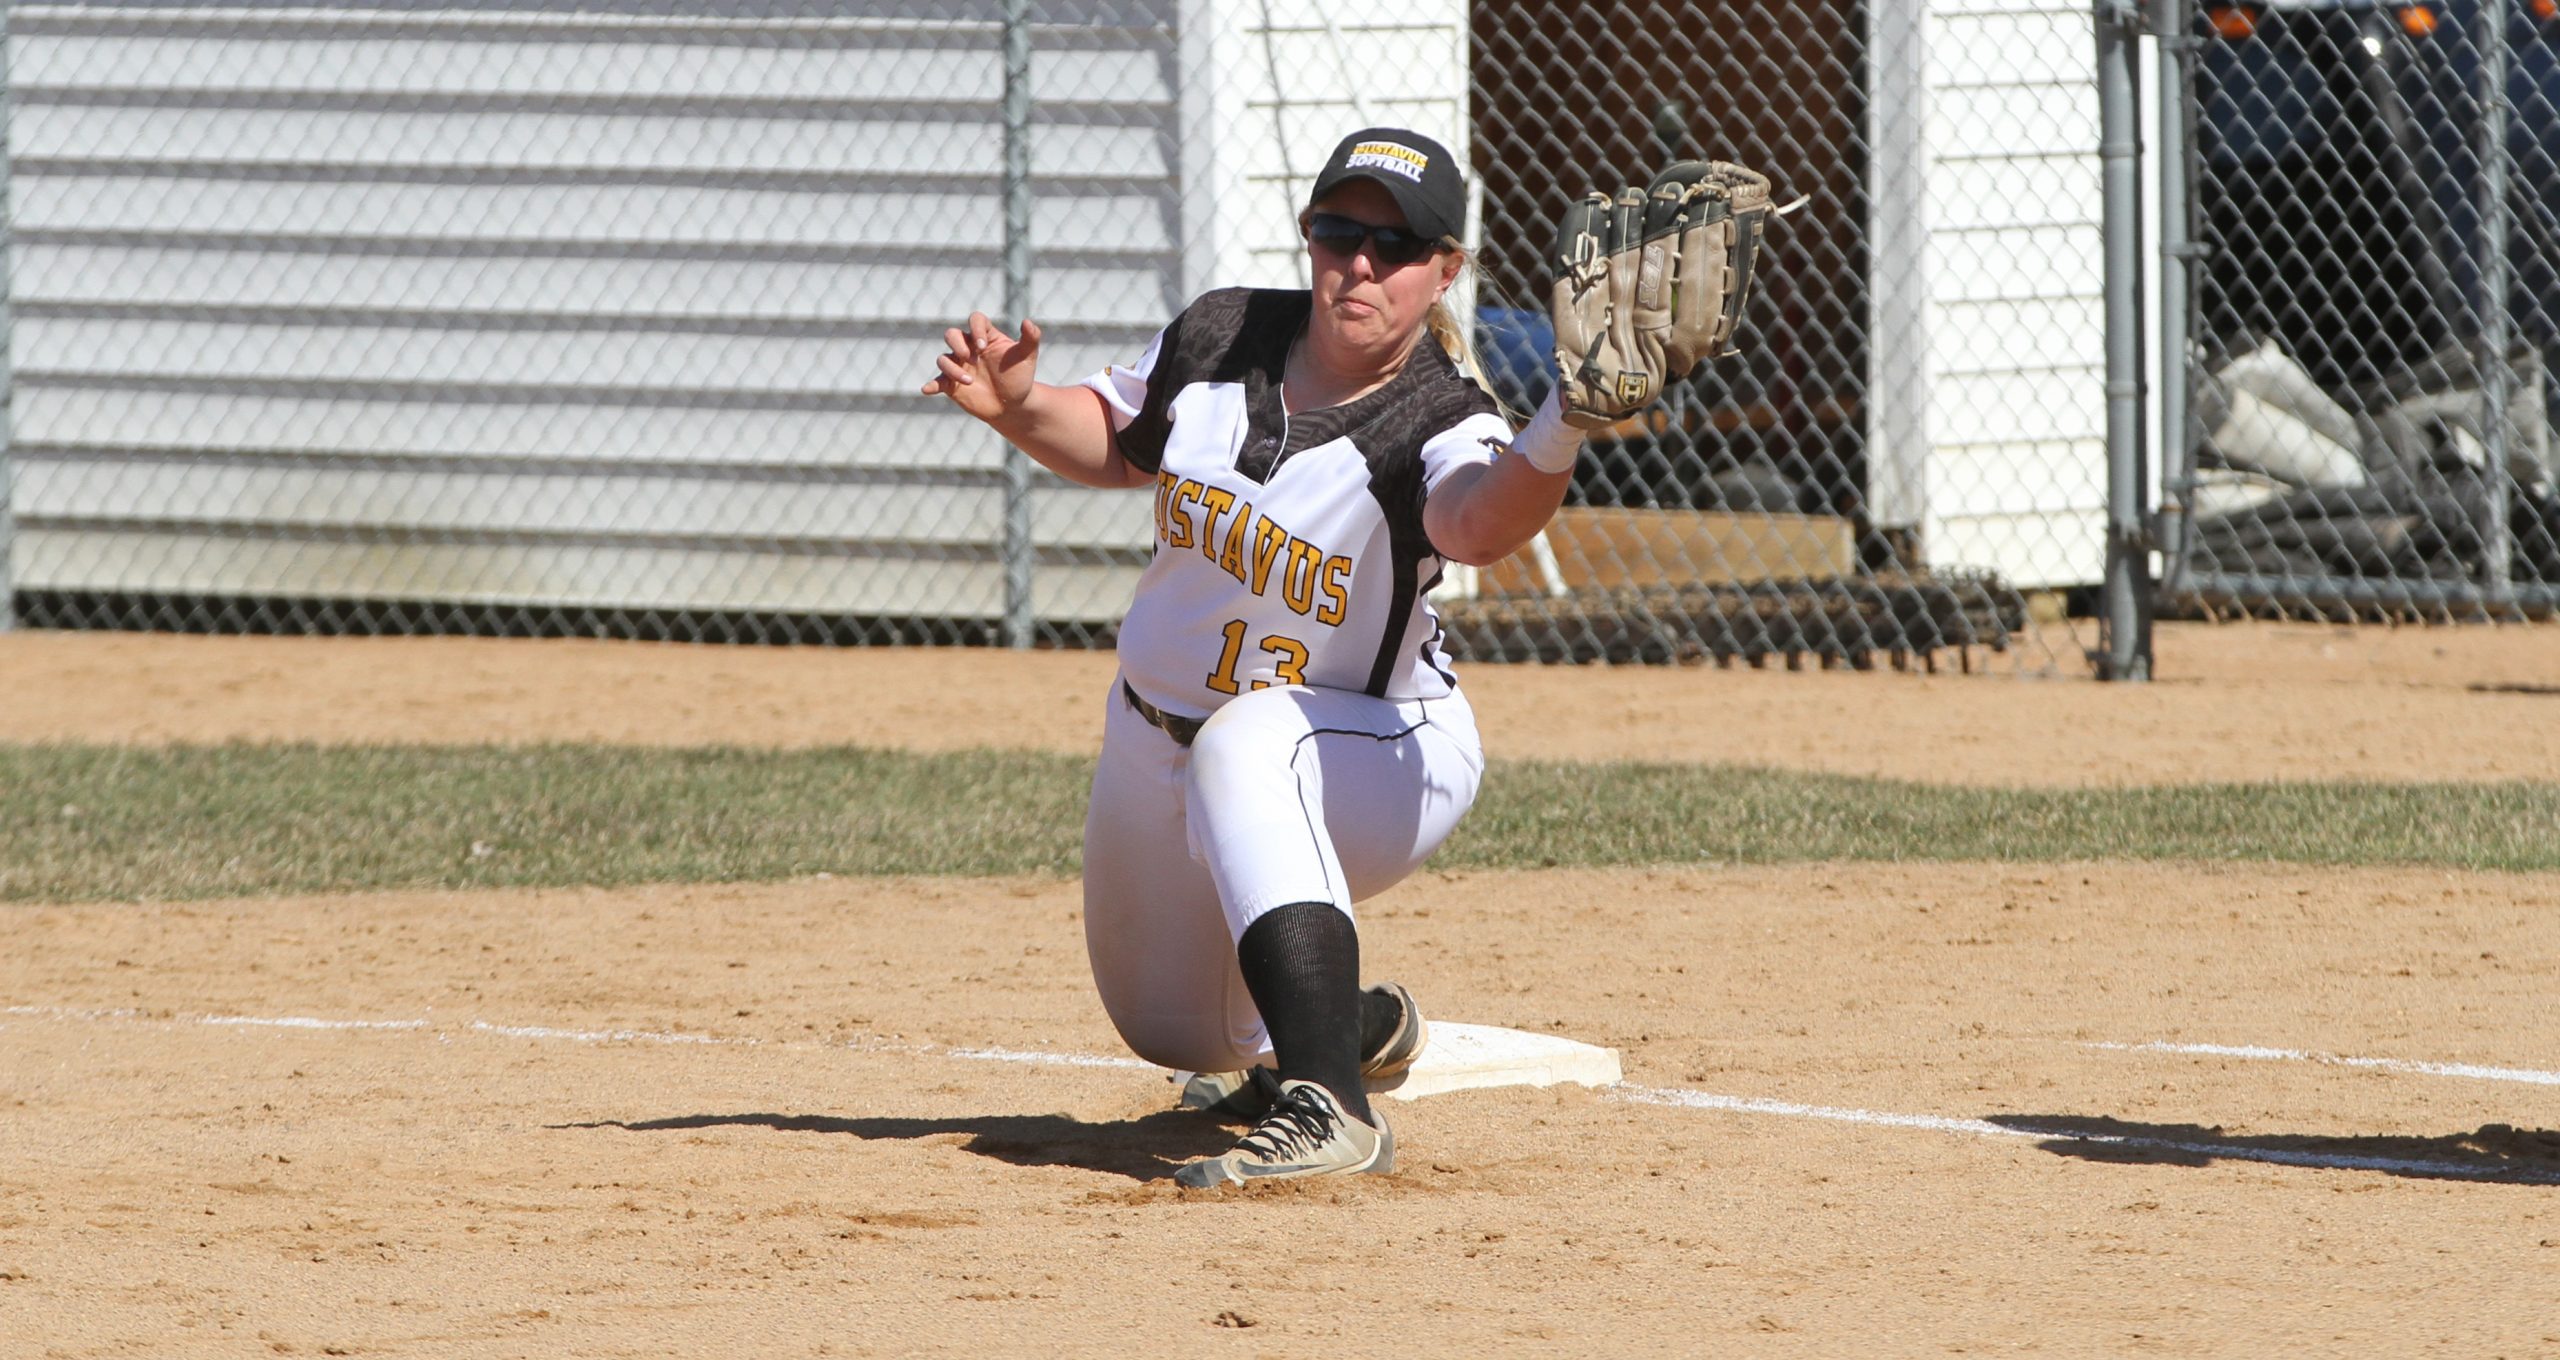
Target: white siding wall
pixel 555 308
pixel 1282 93
pixel 2015 476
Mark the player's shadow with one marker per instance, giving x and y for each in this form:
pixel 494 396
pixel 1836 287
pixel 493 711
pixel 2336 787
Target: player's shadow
pixel 2492 1152
pixel 1142 1149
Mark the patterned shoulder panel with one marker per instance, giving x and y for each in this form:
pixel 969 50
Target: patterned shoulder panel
pixel 1229 335
pixel 1429 398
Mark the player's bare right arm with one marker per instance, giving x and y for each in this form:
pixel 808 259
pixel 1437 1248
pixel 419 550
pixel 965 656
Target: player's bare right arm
pixel 1067 430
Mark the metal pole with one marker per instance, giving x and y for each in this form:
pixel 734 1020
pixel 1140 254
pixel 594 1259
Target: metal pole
pixel 2403 142
pixel 2497 536
pixel 1018 622
pixel 2171 24
pixel 8 370
pixel 2399 594
pixel 2126 594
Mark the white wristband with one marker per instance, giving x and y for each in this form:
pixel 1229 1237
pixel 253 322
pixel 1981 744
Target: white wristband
pixel 1550 445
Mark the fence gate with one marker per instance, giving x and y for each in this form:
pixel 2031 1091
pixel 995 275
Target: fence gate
pixel 2365 340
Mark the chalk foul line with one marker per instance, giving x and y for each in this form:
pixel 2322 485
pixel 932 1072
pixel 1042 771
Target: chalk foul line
pixel 1664 1096
pixel 1984 1128
pixel 2529 1076
pixel 866 1043
pixel 1012 1055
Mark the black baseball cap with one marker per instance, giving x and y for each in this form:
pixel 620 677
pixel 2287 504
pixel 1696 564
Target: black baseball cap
pixel 1420 172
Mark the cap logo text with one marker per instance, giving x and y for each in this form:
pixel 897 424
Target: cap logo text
pixel 1390 156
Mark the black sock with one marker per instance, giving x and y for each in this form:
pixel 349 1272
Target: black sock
pixel 1302 964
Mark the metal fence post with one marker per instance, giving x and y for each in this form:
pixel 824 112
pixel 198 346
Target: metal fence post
pixel 1018 621
pixel 2125 653
pixel 2498 536
pixel 8 371
pixel 2178 252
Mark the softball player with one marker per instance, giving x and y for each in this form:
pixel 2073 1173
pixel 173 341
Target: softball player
pixel 1285 736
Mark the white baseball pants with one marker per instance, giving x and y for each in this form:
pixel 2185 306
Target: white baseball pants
pixel 1290 794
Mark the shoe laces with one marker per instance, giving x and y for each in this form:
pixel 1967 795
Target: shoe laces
pixel 1302 1122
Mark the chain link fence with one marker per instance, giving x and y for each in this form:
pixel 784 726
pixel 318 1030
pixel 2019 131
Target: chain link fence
pixel 611 319
pixel 2372 326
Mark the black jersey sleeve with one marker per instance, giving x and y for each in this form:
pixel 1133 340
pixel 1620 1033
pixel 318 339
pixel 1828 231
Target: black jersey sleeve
pixel 1222 335
pixel 1437 400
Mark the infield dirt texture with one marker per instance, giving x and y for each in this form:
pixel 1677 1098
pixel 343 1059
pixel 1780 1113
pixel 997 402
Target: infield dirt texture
pixel 2075 1108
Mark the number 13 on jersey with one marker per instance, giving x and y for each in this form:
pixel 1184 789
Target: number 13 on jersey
pixel 1290 665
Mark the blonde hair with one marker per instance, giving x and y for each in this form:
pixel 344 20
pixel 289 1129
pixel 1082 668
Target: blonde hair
pixel 1452 337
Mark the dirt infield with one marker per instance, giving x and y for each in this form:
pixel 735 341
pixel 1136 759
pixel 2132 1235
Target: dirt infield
pixel 845 1118
pixel 2238 703
pixel 1875 1109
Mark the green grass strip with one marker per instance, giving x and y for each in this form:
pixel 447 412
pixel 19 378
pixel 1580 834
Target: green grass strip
pixel 84 823
pixel 1643 814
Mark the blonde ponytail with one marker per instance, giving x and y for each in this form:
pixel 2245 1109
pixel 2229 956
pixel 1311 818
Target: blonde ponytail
pixel 1452 339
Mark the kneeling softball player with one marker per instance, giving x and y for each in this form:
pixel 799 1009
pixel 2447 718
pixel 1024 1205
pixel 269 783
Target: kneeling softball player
pixel 1285 736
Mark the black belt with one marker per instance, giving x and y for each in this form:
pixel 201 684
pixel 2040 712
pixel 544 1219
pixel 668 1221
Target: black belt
pixel 1180 728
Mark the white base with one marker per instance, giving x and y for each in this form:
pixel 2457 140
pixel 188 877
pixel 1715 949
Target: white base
pixel 1461 1057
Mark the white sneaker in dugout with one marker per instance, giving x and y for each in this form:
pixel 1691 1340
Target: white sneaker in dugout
pixel 1307 1133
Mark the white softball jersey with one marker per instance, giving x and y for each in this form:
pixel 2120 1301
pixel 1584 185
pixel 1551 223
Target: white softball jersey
pixel 1287 604
pixel 1289 546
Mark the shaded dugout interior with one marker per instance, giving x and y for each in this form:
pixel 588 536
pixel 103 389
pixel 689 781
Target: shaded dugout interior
pixel 1775 84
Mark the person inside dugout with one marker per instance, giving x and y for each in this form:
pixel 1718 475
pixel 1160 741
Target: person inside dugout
pixel 1286 736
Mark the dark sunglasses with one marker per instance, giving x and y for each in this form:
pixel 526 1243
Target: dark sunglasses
pixel 1344 236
